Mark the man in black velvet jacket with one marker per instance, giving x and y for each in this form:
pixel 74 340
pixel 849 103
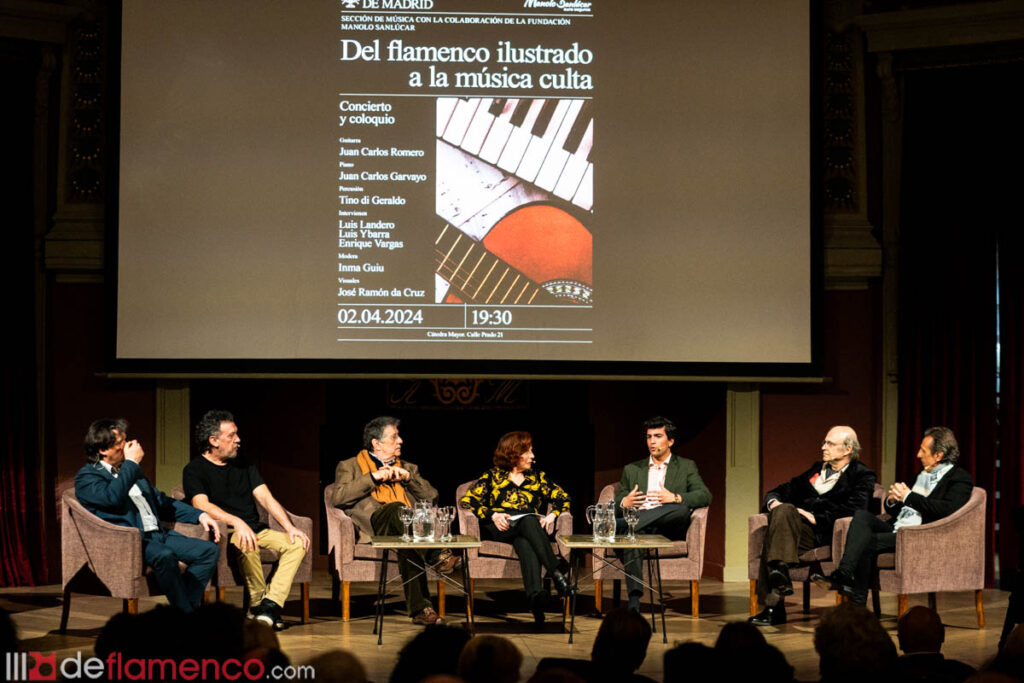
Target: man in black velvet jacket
pixel 941 489
pixel 802 512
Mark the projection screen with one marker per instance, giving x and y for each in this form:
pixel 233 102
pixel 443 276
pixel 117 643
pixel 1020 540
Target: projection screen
pixel 578 185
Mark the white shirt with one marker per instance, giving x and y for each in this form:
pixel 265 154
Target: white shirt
pixel 655 481
pixel 149 520
pixel 823 485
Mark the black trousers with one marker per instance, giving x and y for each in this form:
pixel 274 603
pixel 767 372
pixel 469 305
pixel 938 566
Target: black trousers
pixel 386 522
pixel 533 546
pixel 787 537
pixel 671 520
pixel 867 538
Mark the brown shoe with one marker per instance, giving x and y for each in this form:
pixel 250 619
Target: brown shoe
pixel 447 562
pixel 426 617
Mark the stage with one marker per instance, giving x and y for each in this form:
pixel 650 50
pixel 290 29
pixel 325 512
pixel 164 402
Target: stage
pixel 36 613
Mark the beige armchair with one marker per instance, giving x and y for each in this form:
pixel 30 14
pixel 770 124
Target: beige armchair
pixel 822 559
pixel 228 573
pixel 102 558
pixel 945 555
pixel 496 560
pixel 684 561
pixel 350 561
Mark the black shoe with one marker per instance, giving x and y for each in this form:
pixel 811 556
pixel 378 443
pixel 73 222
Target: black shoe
pixel 836 581
pixel 269 613
pixel 537 605
pixel 561 584
pixel 771 616
pixel 779 581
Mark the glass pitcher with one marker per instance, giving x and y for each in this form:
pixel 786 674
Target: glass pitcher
pixel 424 521
pixel 602 519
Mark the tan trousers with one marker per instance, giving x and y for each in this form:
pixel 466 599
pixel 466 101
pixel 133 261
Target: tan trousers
pixel 252 569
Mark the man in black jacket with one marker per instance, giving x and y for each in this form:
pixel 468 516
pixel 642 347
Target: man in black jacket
pixel 802 512
pixel 941 489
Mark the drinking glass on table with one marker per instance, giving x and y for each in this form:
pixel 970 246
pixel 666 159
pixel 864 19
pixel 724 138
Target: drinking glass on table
pixel 405 515
pixel 444 520
pixel 632 516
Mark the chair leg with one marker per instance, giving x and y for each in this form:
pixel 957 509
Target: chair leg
pixel 901 604
pixel 220 594
pixel 131 606
pixel 469 601
pixel 807 597
pixel 440 598
pixel 345 594
pixel 840 598
pixel 65 611
pixel 876 602
pixel 695 599
pixel 932 603
pixel 598 583
pixel 304 588
pixel 979 608
pixel 753 597
pixel 206 597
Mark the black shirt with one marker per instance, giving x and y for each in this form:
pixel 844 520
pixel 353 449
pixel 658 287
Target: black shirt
pixel 228 486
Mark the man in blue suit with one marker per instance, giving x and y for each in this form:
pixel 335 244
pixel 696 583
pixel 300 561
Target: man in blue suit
pixel 111 486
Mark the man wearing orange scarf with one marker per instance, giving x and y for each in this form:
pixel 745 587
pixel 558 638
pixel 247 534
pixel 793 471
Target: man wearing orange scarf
pixel 372 488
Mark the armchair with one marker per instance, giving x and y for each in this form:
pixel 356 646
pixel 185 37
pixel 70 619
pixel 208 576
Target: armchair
pixel 228 574
pixel 112 554
pixel 496 560
pixel 684 561
pixel 921 562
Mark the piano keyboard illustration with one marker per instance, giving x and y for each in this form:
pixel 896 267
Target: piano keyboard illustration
pixel 546 142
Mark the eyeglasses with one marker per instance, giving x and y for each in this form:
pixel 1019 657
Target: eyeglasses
pixel 830 444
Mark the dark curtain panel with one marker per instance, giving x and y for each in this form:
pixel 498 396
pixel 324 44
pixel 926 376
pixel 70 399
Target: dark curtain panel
pixel 1011 408
pixel 21 546
pixel 955 123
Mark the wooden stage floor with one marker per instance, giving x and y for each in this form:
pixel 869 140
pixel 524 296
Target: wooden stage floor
pixel 36 612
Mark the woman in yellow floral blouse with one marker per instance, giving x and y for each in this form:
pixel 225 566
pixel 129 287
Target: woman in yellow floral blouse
pixel 510 499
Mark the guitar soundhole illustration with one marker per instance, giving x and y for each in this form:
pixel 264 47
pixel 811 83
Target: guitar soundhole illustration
pixel 537 254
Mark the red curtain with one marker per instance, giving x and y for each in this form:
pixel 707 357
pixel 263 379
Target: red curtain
pixel 1011 407
pixel 953 204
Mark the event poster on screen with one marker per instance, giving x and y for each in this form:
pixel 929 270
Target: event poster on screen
pixel 525 180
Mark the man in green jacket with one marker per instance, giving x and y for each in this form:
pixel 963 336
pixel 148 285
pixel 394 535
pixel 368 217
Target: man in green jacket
pixel 666 490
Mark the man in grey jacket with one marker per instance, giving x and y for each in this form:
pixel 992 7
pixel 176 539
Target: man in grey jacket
pixel 372 488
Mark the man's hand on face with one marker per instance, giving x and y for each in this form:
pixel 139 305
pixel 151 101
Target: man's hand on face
pixel 634 498
pixel 133 451
pixel 246 539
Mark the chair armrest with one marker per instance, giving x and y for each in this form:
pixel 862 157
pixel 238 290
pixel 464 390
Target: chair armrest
pixel 696 535
pixel 341 536
pixel 840 530
pixel 469 525
pixel 937 543
pixel 112 552
pixel 303 524
pixel 563 527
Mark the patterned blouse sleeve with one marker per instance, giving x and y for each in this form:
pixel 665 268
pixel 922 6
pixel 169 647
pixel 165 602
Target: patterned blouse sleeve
pixel 477 497
pixel 555 495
